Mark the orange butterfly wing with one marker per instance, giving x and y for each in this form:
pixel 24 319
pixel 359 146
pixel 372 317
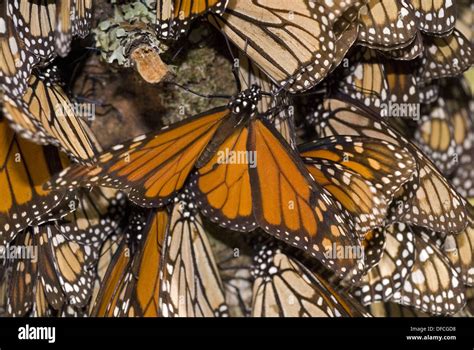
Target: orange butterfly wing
pixel 146 291
pixel 223 190
pixel 24 167
pixel 274 192
pixel 113 281
pixel 152 167
pixel 363 174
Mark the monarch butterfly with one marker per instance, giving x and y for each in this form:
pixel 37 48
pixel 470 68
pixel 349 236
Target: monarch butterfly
pixel 394 250
pixel 113 282
pixel 28 278
pixel 428 200
pixel 362 174
pixel 191 284
pixel 242 197
pixel 130 287
pixel 433 285
pixel 284 287
pixel 435 17
pixel 292 43
pixel 132 283
pixel 59 273
pixel 174 17
pixel 46 115
pixel 152 168
pixel 46 27
pixel 16 62
pixel 249 75
pixel 24 168
pixel 73 264
pixel 145 268
pixel 387 24
pixel 445 57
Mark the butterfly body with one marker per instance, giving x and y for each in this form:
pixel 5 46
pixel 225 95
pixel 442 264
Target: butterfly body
pixel 243 108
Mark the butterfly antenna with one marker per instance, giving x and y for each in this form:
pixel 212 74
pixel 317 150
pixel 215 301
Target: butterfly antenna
pixel 320 91
pixel 234 69
pixel 89 100
pixel 92 48
pixel 227 97
pixel 178 51
pixel 275 110
pixel 88 49
pixel 282 88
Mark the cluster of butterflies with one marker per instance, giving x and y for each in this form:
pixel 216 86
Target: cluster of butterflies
pixel 361 207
